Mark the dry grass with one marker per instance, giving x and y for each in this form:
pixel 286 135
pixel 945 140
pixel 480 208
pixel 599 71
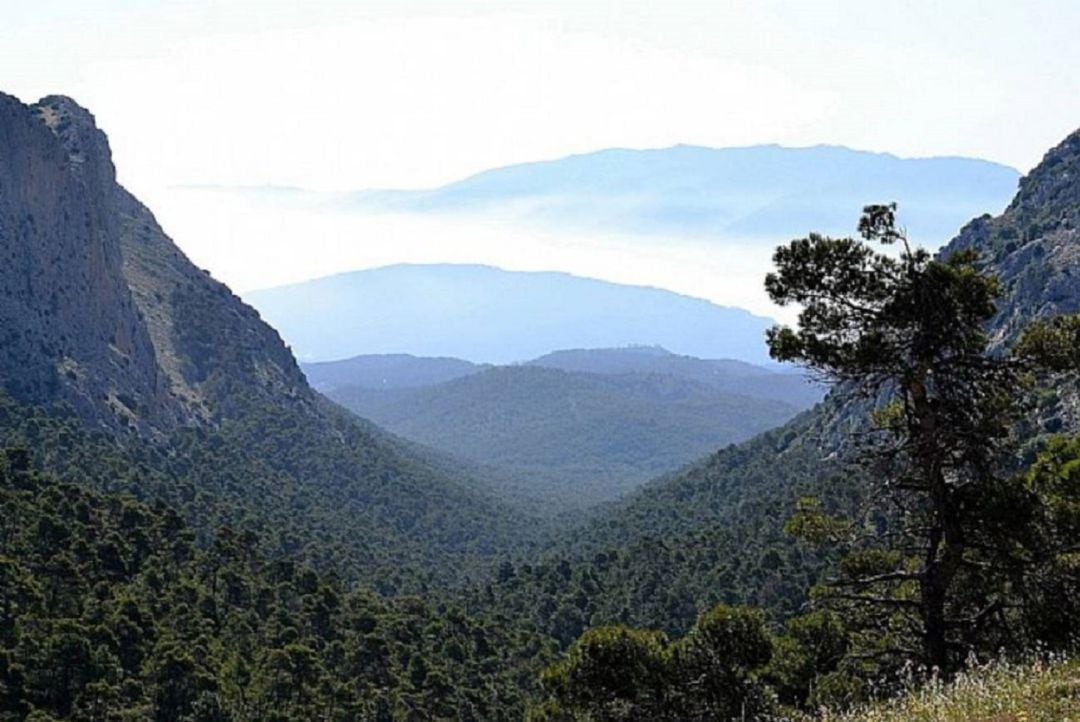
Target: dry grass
pixel 1044 691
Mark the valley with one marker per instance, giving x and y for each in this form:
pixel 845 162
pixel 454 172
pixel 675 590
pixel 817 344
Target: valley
pixel 571 429
pixel 454 491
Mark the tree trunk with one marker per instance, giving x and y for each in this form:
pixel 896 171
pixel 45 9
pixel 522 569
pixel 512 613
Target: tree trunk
pixel 945 540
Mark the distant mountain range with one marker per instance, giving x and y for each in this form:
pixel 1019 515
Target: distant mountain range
pixel 403 371
pixel 487 315
pixel 718 210
pixel 387 371
pixel 768 192
pixel 765 192
pixel 789 385
pixel 571 428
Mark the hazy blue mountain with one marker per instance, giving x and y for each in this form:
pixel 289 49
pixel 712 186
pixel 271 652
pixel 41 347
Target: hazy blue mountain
pixel 573 427
pixel 484 314
pixel 766 191
pixel 571 439
pixel 386 371
pixel 785 384
pixel 405 371
pixel 643 358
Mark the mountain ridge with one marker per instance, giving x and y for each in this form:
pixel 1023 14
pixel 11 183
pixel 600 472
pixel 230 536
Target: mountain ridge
pixel 758 191
pixel 484 314
pixel 698 148
pixel 286 188
pixel 570 439
pixel 61 247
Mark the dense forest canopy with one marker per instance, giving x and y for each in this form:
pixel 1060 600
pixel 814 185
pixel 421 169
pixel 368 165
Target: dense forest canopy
pixel 110 609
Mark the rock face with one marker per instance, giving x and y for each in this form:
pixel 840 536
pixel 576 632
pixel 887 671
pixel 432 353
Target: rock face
pixel 1034 246
pixel 202 403
pixel 210 347
pixel 98 308
pixel 70 328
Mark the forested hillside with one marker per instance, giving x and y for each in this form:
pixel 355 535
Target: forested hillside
pixel 569 440
pixel 112 604
pixel 683 543
pixel 124 355
pixel 789 385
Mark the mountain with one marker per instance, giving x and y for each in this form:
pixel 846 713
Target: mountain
pixel 714 533
pixel 569 439
pixel 611 419
pixel 1033 246
pixel 767 192
pixel 386 371
pixel 1034 249
pixel 125 367
pixel 639 359
pixel 487 315
pixel 71 328
pixel 398 371
pixel 101 310
pixel 738 377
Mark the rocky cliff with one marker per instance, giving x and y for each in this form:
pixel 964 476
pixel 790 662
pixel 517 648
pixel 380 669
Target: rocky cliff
pixel 1034 246
pixel 99 308
pixel 70 328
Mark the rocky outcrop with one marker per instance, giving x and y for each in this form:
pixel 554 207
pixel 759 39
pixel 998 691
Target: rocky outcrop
pixel 1034 249
pixel 98 308
pixel 211 347
pixel 69 327
pixel 1034 246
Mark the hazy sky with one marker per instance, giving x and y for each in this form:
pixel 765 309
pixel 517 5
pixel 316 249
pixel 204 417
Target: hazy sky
pixel 336 95
pixel 360 94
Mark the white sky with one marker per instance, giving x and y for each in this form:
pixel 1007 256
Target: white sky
pixel 336 95
pixel 364 94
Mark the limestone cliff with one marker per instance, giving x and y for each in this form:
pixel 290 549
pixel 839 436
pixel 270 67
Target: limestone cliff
pixel 99 308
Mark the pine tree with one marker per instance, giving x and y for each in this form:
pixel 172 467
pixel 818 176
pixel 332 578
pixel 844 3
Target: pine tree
pixel 937 549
